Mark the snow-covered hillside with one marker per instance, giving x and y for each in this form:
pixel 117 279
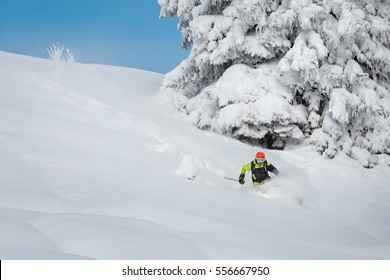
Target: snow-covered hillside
pixel 94 164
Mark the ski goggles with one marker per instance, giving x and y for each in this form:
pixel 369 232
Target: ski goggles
pixel 260 160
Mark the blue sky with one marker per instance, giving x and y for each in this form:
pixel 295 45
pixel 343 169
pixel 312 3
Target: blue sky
pixel 116 32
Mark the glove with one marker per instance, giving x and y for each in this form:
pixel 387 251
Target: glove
pixel 276 172
pixel 241 179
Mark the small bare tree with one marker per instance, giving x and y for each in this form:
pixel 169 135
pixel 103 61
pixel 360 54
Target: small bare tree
pixel 69 57
pixel 56 53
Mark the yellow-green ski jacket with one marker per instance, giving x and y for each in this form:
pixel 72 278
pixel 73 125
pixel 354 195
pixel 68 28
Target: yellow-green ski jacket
pixel 259 171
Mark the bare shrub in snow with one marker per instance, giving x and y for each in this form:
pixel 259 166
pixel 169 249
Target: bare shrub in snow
pixel 60 53
pixel 285 73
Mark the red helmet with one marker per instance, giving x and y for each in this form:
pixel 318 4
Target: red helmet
pixel 260 155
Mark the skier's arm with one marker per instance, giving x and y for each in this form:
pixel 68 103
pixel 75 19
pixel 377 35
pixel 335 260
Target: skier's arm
pixel 244 169
pixel 272 168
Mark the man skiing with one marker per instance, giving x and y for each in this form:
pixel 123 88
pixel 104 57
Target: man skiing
pixel 259 168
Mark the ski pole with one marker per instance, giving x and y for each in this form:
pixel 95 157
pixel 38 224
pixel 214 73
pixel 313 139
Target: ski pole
pixel 231 179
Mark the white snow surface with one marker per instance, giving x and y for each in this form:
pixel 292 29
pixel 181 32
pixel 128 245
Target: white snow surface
pixel 96 165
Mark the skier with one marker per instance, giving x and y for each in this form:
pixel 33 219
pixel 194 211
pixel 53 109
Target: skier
pixel 259 168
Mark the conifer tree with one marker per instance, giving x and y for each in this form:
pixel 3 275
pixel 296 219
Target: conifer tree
pixel 282 73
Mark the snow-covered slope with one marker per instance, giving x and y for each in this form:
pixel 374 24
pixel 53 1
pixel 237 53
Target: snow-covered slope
pixel 95 165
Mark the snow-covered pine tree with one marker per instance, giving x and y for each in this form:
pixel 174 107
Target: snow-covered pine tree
pixel 287 72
